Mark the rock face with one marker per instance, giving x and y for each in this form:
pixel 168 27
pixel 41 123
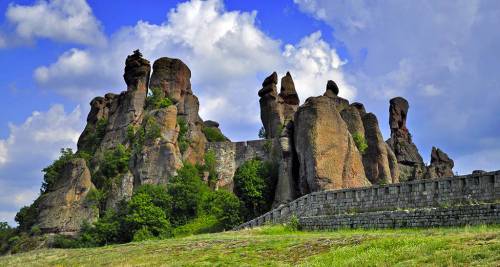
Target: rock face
pixel 332 91
pixel 271 110
pixel 159 158
pixel 289 96
pixel 410 162
pixel 286 188
pixel 149 133
pixel 172 76
pixel 441 165
pixel 379 161
pixel 65 208
pixel 354 121
pixel 277 110
pixel 327 155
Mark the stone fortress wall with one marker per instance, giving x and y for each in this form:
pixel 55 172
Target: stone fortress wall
pixel 454 201
pixel 231 155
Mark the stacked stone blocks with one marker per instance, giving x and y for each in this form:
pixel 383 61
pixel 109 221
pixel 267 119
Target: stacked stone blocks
pixel 468 199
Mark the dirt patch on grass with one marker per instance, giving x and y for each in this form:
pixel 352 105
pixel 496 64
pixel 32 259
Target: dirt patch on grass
pixel 484 239
pixel 299 252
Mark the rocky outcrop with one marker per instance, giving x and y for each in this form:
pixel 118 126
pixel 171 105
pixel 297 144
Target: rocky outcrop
pixel 277 110
pixel 378 160
pixel 110 115
pixel 353 119
pixel 172 76
pixel 159 158
pixel 214 126
pixel 410 162
pixel 286 188
pixel 441 165
pixel 327 155
pixel 271 110
pixel 290 98
pixel 65 207
pixel 127 109
pixel 332 91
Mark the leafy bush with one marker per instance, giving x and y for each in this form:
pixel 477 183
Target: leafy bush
pixel 225 206
pixel 199 225
pixel 213 134
pixel 182 139
pixel 156 99
pixel 6 233
pixel 53 171
pixel 96 198
pixel 136 137
pixel 360 142
pixel 26 217
pixel 145 219
pixel 209 166
pixel 93 139
pixel 186 190
pixel 115 161
pixel 255 182
pixel 293 224
pixel 152 129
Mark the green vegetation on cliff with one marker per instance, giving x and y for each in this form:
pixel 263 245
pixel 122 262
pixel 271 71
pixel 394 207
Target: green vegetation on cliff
pixel 278 246
pixel 186 206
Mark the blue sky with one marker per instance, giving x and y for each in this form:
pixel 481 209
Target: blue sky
pixel 58 54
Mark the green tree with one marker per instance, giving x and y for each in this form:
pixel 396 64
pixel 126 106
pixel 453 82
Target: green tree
pixel 226 208
pixel 143 215
pixel 255 182
pixel 53 171
pixel 186 190
pixel 156 99
pixel 26 217
pixel 115 161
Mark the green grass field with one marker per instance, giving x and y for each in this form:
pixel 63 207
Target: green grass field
pixel 277 246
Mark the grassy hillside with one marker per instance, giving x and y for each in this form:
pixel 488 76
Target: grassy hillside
pixel 277 246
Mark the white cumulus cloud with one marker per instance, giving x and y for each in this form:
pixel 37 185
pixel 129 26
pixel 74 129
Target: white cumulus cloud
pixel 440 55
pixel 29 148
pixel 228 54
pixel 313 62
pixel 60 20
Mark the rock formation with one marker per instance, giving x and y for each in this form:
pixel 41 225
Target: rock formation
pixel 286 188
pixel 410 162
pixel 332 91
pixel 441 165
pixel 271 111
pixel 327 155
pixel 172 76
pixel 379 161
pixel 290 98
pixel 277 110
pixel 354 121
pixel 149 133
pixel 315 145
pixel 65 207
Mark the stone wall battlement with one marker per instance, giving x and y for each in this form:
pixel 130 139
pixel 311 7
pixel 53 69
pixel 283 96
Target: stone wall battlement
pixel 442 192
